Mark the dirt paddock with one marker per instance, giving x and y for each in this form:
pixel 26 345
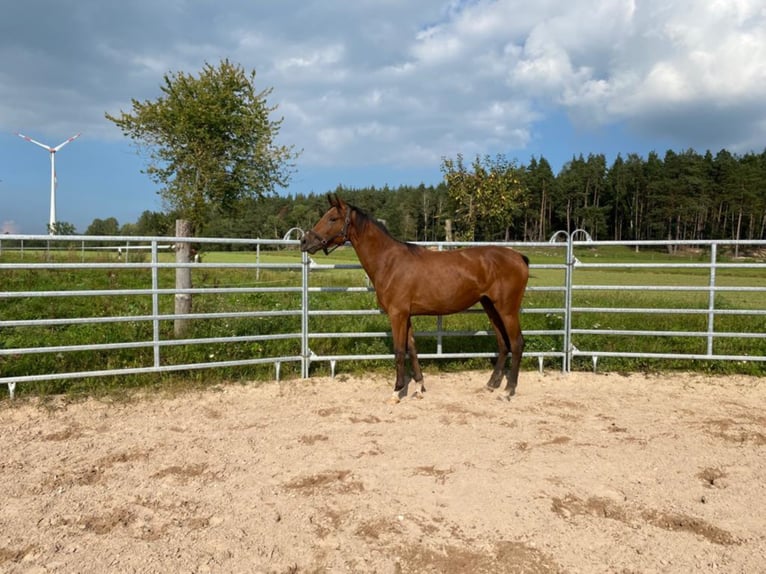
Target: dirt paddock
pixel 578 473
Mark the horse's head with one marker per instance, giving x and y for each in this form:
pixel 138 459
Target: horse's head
pixel 331 230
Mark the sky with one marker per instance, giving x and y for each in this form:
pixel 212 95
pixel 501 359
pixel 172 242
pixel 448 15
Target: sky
pixel 374 92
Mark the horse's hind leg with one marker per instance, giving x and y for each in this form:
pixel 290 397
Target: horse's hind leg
pixel 503 344
pixel 399 332
pixel 517 350
pixel 417 373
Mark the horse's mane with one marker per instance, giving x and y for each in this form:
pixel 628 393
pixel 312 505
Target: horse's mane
pixel 363 221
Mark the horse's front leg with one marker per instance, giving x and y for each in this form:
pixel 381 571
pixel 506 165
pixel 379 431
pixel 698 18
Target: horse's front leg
pixel 399 333
pixel 417 373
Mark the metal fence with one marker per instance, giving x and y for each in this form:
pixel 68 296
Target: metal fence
pixel 733 289
pixel 568 286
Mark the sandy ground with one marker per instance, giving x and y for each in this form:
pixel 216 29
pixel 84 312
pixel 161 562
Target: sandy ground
pixel 578 473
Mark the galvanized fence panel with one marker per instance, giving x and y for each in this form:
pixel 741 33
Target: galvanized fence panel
pixel 711 310
pixel 40 253
pixel 567 342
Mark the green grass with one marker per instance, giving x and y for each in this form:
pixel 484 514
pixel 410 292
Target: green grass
pixel 129 278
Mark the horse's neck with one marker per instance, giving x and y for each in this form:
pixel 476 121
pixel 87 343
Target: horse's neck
pixel 371 247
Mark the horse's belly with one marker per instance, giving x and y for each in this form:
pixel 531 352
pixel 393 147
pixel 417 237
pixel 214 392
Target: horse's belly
pixel 436 301
pixel 442 292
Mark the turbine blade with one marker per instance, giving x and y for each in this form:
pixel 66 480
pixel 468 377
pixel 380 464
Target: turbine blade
pixel 29 139
pixel 62 144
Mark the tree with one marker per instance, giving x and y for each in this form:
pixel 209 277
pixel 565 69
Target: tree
pixel 210 140
pixel 617 187
pixel 152 223
pixel 570 190
pixel 635 177
pixel 650 214
pixel 491 193
pixel 685 200
pixel 108 226
pixel 540 182
pixel 62 228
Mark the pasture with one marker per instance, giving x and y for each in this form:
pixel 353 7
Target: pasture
pixel 577 473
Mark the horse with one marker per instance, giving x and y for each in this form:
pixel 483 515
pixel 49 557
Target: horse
pixel 411 280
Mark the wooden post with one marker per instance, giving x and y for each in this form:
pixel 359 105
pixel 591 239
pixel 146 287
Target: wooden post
pixel 183 303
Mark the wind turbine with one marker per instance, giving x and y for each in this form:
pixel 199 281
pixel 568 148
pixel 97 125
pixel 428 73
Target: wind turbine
pixel 52 151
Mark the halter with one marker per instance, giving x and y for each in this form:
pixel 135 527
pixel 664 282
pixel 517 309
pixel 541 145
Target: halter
pixel 342 233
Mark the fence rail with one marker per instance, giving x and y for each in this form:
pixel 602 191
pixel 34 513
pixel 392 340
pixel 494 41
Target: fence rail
pixel 567 287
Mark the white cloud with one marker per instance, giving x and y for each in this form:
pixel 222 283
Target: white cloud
pixel 401 81
pixel 310 58
pixel 714 52
pixel 433 47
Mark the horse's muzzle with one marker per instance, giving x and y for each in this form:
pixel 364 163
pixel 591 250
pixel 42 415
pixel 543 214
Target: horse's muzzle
pixel 311 242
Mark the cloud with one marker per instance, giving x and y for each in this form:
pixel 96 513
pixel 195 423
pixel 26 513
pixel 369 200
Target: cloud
pixel 401 82
pixel 645 64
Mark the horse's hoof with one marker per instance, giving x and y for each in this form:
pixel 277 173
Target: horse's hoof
pixel 489 388
pixel 395 400
pixel 505 397
pixel 417 395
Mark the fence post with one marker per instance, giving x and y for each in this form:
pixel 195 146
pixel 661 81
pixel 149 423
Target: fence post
pixel 183 301
pixel 305 351
pixel 711 299
pixel 568 345
pixel 440 318
pixel 155 306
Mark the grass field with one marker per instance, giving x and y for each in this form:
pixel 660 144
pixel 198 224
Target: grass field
pixel 633 287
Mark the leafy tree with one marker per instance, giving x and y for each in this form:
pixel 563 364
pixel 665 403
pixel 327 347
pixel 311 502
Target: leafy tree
pixel 61 228
pixel 491 193
pixel 210 140
pixel 152 223
pixel 108 226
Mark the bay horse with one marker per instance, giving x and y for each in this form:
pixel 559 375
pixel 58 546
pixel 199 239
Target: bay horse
pixel 412 280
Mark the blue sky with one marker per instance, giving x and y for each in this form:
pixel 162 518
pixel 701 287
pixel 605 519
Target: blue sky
pixel 375 93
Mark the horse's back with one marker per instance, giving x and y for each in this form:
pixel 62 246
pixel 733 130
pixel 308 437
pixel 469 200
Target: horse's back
pixel 491 261
pixel 499 261
pixel 509 267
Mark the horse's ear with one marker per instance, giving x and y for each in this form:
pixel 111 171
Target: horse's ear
pixel 334 200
